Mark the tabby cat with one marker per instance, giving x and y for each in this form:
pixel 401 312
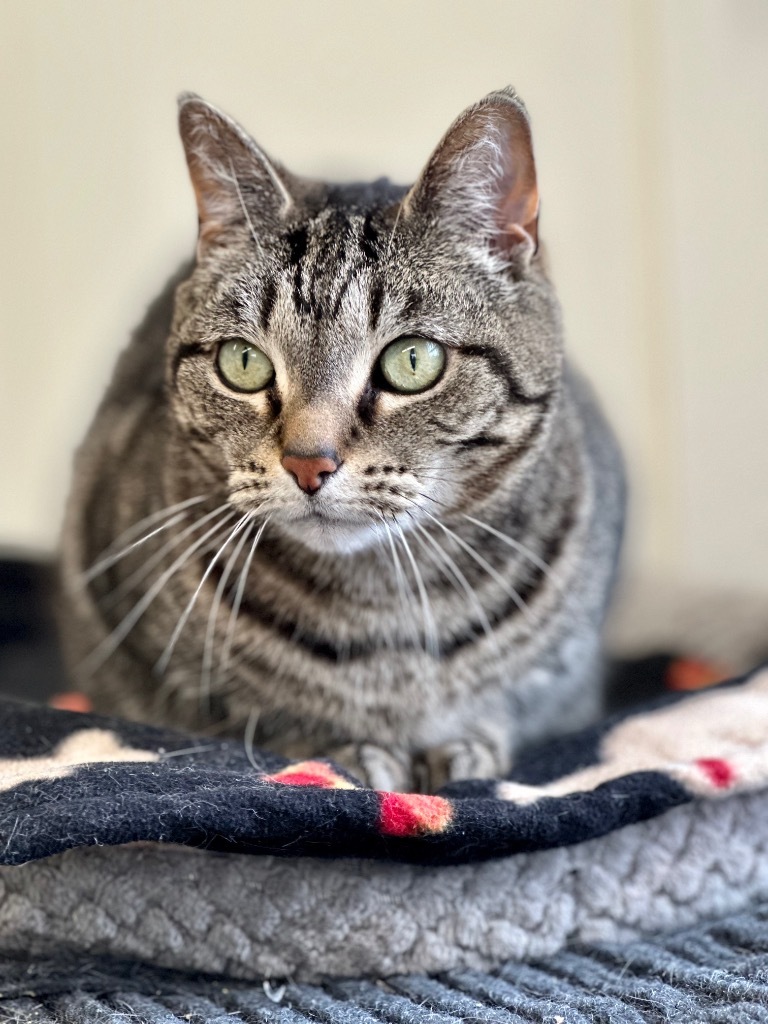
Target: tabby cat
pixel 343 496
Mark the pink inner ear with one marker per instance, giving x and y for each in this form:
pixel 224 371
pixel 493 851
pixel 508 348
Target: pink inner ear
pixel 518 207
pixel 520 213
pixel 483 175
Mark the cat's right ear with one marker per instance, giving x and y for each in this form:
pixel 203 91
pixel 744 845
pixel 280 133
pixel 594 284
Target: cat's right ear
pixel 235 182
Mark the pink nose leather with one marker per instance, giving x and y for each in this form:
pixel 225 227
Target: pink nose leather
pixel 310 474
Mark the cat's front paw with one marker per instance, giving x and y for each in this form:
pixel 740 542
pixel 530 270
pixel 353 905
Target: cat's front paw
pixel 462 759
pixel 374 766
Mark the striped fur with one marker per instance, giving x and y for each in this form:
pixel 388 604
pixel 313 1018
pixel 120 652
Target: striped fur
pixel 439 600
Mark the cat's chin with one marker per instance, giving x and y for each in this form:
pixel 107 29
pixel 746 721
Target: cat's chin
pixel 326 535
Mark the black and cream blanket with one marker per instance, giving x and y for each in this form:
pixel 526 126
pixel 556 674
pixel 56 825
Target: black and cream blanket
pixel 203 854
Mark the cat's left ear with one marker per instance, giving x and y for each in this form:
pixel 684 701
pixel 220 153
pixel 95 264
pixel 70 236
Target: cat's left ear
pixel 235 182
pixel 480 183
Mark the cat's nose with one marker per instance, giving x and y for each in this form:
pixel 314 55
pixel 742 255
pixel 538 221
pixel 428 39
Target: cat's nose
pixel 310 472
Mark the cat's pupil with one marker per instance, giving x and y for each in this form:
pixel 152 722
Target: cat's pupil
pixel 245 358
pixel 413 359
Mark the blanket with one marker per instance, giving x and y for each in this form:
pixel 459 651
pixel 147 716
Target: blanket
pixel 202 854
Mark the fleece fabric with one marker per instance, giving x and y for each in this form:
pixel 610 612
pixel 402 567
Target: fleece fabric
pixel 70 780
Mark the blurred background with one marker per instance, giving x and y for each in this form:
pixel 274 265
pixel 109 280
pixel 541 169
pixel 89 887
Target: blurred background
pixel 651 133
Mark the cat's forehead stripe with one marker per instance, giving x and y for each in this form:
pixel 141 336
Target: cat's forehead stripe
pixel 369 239
pixel 377 298
pixel 267 303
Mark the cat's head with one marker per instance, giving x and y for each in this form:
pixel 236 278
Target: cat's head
pixel 359 355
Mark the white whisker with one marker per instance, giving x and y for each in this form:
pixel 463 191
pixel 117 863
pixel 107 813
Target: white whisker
pixel 206 672
pixel 431 639
pixel 226 650
pixel 140 574
pixel 485 565
pixel 162 662
pixel 186 751
pixel 243 207
pixel 404 591
pixel 522 548
pixel 394 226
pixel 113 640
pixel 250 734
pixel 458 576
pixel 109 556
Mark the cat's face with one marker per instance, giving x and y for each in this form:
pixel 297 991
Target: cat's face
pixel 352 357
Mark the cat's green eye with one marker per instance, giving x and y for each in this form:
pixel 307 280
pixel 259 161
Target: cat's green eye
pixel 243 366
pixel 412 364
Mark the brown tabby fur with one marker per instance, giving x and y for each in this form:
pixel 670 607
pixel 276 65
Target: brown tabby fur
pixel 439 600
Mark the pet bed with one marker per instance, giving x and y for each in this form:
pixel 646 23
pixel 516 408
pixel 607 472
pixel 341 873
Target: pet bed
pixel 714 974
pixel 198 854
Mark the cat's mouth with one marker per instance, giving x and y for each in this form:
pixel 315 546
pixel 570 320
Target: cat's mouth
pixel 317 514
pixel 324 529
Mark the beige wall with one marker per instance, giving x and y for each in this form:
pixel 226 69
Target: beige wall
pixel 651 128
